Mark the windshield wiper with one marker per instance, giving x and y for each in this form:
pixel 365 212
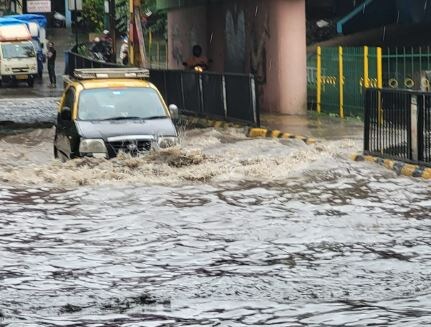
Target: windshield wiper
pixel 124 118
pixel 135 118
pixel 155 117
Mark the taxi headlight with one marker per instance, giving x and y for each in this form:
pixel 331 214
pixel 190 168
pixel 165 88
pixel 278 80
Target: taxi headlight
pixel 92 146
pixel 165 142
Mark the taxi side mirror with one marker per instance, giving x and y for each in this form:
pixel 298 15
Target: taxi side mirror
pixel 173 109
pixel 66 113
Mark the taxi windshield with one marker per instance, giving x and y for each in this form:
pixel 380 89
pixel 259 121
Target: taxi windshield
pixel 120 103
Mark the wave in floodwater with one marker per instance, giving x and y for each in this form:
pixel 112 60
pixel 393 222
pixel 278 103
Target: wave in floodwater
pixel 207 155
pixel 336 248
pixel 239 232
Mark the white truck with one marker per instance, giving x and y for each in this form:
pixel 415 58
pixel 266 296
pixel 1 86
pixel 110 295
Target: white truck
pixel 37 26
pixel 18 60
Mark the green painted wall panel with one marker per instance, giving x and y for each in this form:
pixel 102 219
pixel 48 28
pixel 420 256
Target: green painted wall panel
pixel 175 4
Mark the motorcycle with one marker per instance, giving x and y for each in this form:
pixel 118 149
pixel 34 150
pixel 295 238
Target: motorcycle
pixel 102 52
pixel 98 56
pixel 199 68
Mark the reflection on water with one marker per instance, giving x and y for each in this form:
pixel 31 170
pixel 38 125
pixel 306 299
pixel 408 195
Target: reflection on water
pixel 329 243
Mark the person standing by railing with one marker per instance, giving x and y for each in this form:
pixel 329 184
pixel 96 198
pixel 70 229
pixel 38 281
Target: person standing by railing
pixel 52 55
pixel 197 61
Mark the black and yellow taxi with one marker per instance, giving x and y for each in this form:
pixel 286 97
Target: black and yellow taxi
pixel 107 111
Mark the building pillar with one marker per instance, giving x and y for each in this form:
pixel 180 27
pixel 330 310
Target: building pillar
pixel 286 88
pixel 186 28
pixel 68 14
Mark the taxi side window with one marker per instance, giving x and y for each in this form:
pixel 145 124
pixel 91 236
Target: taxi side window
pixel 69 99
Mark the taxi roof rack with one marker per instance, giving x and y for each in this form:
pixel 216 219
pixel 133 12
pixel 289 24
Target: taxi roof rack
pixel 107 73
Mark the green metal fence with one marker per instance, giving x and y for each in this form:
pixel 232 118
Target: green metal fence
pixel 330 90
pixel 341 75
pixel 157 53
pixel 338 77
pixel 406 68
pixel 354 87
pixel 311 81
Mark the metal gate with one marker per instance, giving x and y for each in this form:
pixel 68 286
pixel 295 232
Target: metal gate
pixel 341 77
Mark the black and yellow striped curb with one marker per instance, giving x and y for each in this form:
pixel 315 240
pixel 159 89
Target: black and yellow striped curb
pixel 252 132
pixel 263 132
pixel 205 122
pixel 401 168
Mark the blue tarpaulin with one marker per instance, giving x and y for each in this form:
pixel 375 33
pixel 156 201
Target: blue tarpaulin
pixel 4 21
pixel 39 19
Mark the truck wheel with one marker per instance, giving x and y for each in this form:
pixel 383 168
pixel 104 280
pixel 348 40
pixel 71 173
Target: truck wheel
pixel 30 81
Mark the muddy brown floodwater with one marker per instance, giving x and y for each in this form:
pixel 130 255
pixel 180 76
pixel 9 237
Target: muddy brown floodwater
pixel 223 231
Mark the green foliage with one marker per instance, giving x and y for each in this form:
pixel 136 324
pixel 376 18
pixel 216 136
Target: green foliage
pixel 122 15
pixel 93 13
pixel 157 22
pixel 84 51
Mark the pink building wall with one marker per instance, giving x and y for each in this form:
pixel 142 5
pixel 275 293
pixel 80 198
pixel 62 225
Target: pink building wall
pixel 186 27
pixel 264 37
pixel 289 61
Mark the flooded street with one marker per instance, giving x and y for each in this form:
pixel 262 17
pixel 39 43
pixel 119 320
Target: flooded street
pixel 223 231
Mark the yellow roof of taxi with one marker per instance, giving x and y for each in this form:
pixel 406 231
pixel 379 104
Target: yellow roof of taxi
pixel 118 82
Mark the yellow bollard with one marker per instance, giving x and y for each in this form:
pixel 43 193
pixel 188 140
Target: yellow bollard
pixel 366 68
pixel 379 85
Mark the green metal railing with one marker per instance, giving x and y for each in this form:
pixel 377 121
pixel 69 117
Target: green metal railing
pixel 311 81
pixel 329 80
pixel 157 52
pixel 355 85
pixel 337 77
pixel 406 68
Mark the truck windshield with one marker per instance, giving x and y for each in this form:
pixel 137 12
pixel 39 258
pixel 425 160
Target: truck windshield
pixel 36 45
pixel 18 50
pixel 120 103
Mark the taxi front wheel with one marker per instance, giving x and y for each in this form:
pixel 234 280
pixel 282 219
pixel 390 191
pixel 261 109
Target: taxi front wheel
pixel 59 155
pixel 55 152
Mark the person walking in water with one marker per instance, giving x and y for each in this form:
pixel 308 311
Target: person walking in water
pixel 52 54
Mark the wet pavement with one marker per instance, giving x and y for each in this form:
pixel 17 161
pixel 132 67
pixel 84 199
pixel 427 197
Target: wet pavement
pixel 27 111
pixel 317 126
pixel 223 231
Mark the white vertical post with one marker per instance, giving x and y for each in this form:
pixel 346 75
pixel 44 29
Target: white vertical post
pixel 414 126
pixel 223 81
pixel 68 14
